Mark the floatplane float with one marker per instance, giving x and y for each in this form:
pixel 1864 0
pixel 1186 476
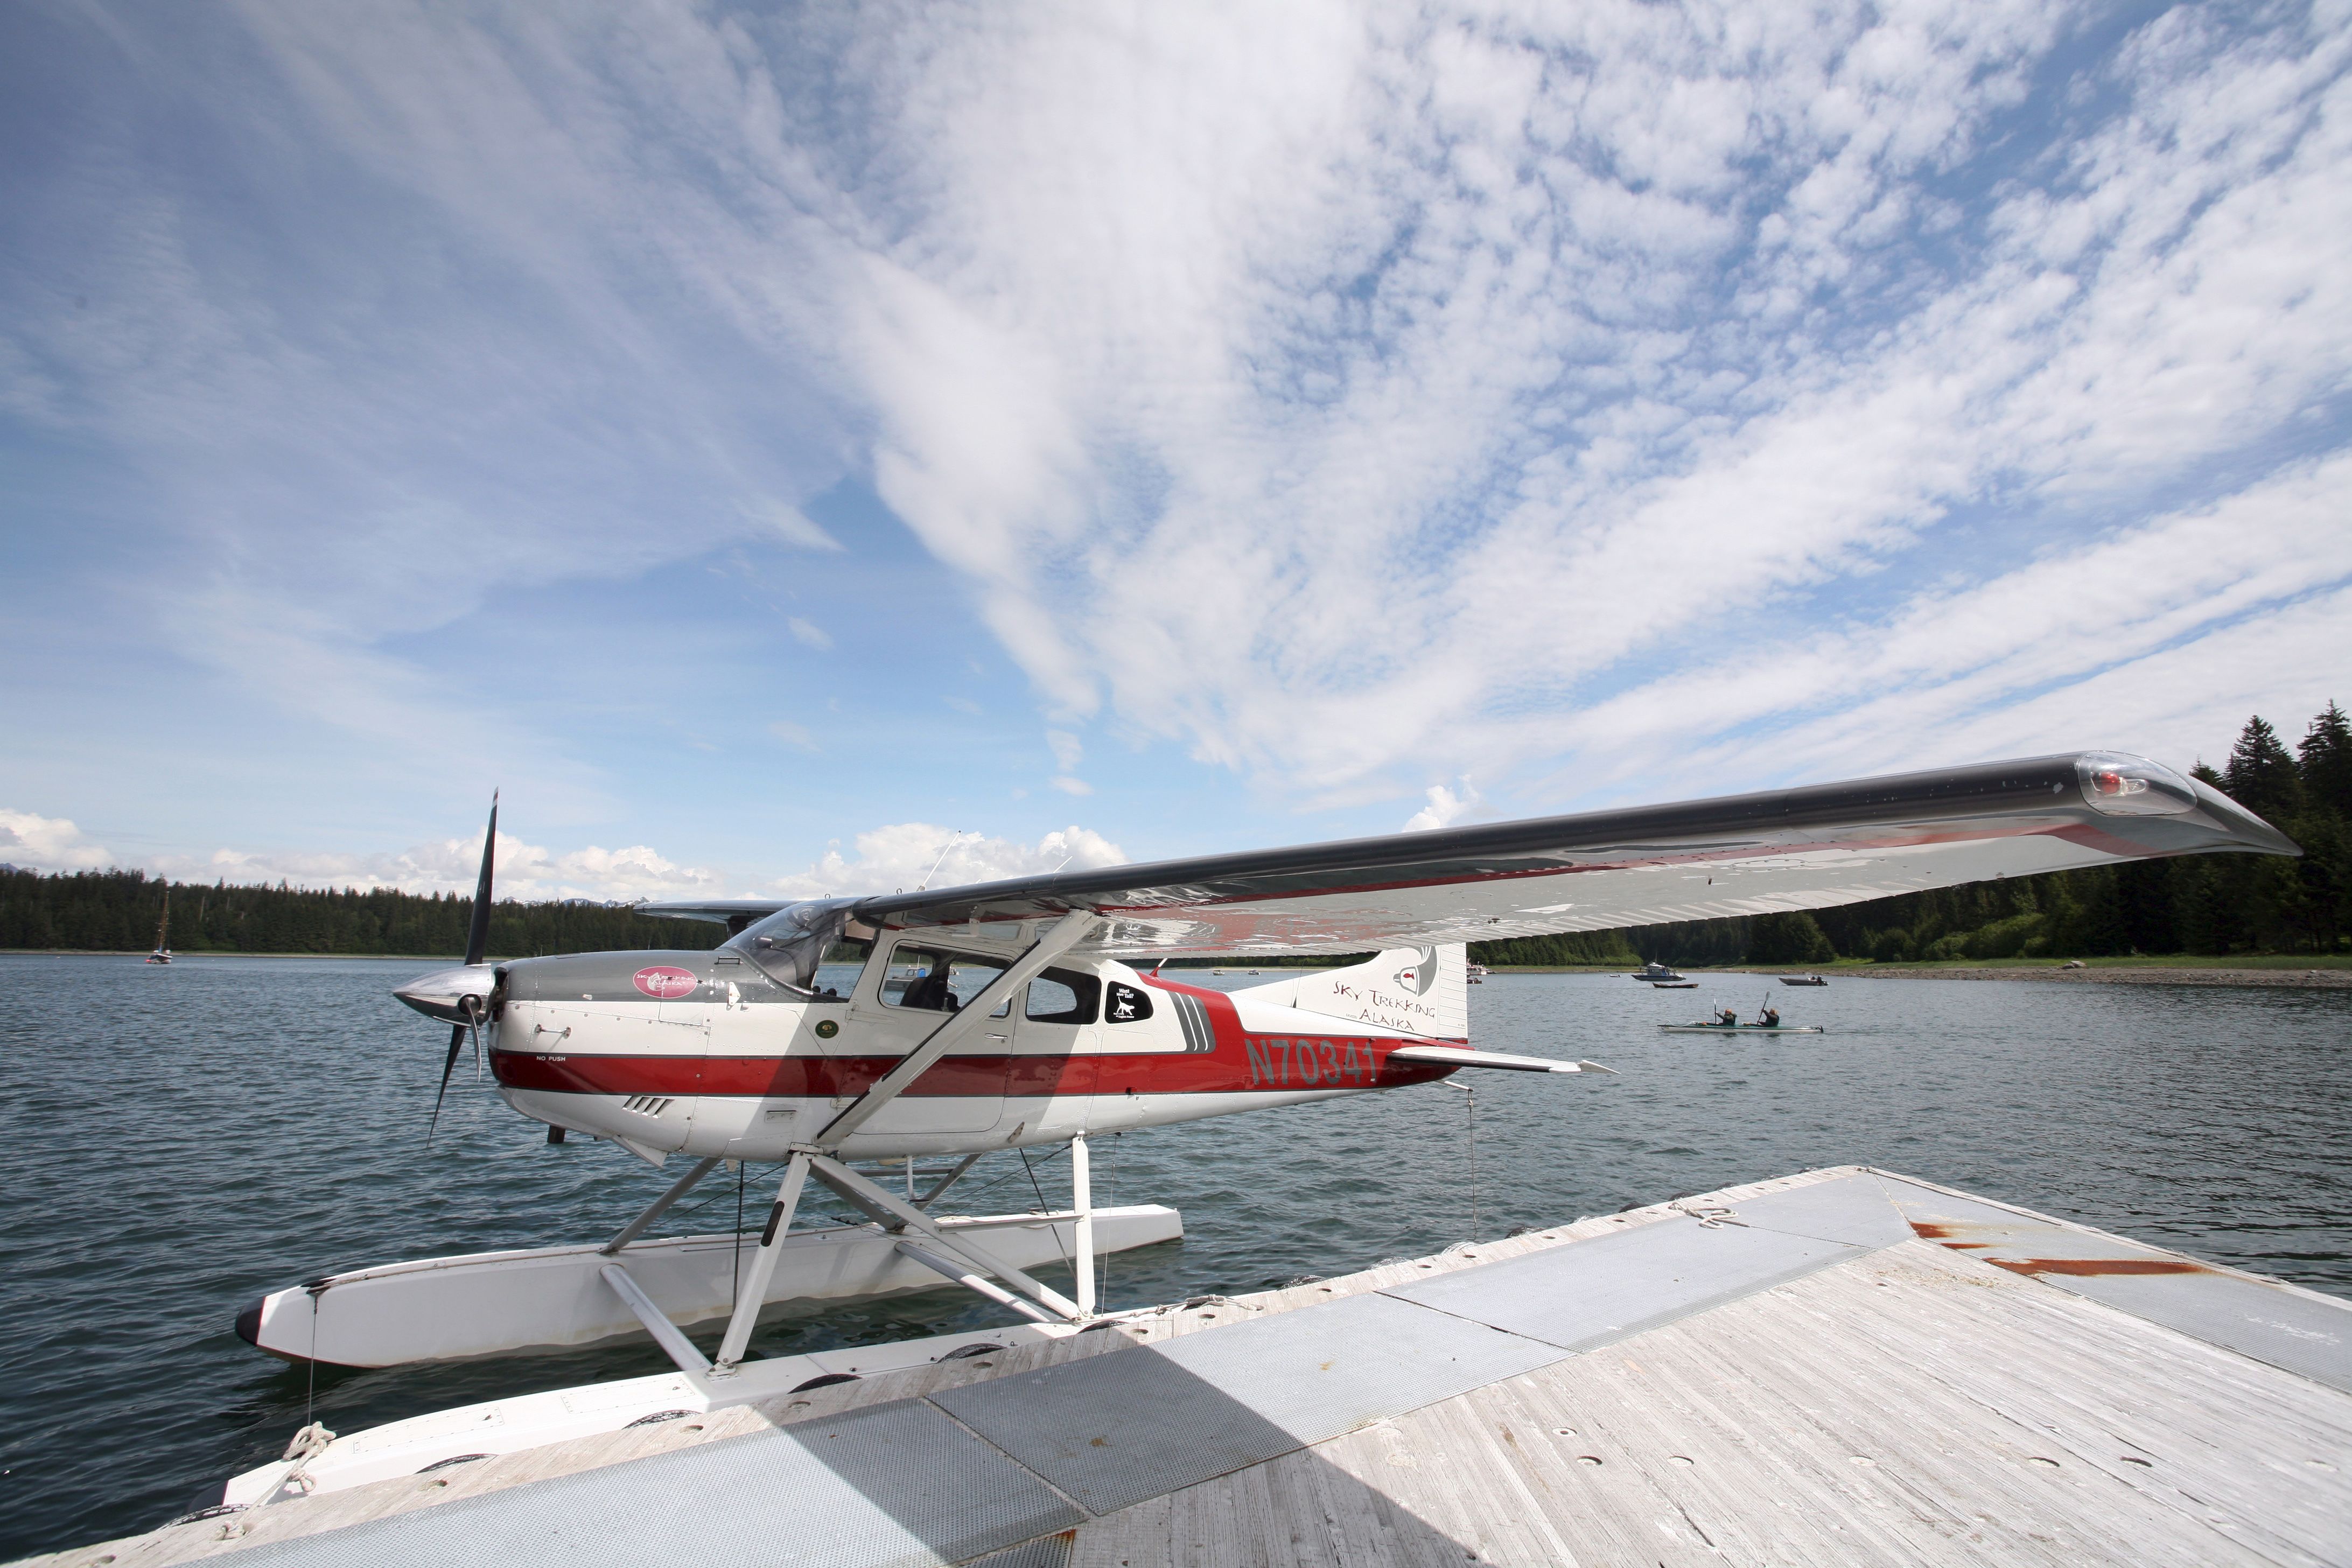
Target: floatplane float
pixel 919 1032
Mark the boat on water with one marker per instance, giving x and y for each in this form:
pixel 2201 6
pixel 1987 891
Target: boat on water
pixel 1655 972
pixel 1674 984
pixel 1804 980
pixel 1741 1029
pixel 163 954
pixel 1475 972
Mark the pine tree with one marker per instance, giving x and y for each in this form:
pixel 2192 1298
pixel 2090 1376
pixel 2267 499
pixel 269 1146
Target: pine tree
pixel 2261 775
pixel 2325 752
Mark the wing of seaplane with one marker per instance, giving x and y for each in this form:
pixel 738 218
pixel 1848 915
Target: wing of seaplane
pixel 1738 854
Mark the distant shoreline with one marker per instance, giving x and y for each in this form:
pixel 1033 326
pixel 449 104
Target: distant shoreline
pixel 2327 972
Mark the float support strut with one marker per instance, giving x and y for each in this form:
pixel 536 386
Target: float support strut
pixel 763 1267
pixel 962 1275
pixel 659 1207
pixel 896 1214
pixel 949 1179
pixel 1082 1198
pixel 666 1333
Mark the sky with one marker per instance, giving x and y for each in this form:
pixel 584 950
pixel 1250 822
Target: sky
pixel 824 449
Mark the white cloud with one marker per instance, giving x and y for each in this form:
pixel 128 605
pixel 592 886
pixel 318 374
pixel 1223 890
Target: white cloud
pixel 47 844
pixel 1466 387
pixel 529 872
pixel 1066 748
pixel 1444 809
pixel 808 632
pixel 900 857
pixel 2135 639
pixel 794 527
pixel 1069 785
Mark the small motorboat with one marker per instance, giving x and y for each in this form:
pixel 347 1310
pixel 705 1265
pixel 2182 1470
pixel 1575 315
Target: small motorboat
pixel 1741 1029
pixel 1803 980
pixel 1475 972
pixel 1657 972
pixel 1674 984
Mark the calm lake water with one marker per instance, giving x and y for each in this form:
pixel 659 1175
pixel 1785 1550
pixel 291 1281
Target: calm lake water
pixel 182 1140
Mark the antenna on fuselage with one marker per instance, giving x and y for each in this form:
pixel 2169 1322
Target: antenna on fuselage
pixel 954 838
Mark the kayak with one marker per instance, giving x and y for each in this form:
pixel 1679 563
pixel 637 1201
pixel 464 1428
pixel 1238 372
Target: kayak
pixel 1674 984
pixel 1741 1029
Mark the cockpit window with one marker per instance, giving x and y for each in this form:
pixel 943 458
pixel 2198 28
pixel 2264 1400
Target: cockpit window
pixel 1063 997
pixel 931 980
pixel 838 967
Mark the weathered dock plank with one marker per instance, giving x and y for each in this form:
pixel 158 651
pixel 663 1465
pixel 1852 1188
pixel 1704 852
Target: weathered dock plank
pixel 1819 1376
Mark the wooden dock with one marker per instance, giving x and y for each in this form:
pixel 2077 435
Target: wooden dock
pixel 1845 1366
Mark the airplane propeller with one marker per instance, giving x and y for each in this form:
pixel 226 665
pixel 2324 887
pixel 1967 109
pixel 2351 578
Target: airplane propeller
pixel 477 941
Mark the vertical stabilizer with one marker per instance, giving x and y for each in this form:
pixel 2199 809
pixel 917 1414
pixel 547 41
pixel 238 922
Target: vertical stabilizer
pixel 1425 990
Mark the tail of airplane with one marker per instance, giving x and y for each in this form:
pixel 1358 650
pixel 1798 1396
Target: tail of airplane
pixel 1424 989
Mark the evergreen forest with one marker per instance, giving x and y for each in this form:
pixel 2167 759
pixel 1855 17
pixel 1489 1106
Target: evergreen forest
pixel 2204 904
pixel 118 911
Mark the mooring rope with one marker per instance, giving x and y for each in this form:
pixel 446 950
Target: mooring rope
pixel 1474 1155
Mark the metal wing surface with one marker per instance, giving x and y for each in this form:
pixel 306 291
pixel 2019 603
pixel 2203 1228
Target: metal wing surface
pixel 1738 855
pixel 732 913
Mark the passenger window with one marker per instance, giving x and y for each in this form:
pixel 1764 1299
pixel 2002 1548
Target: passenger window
pixel 1127 1004
pixel 1063 997
pixel 837 969
pixel 929 980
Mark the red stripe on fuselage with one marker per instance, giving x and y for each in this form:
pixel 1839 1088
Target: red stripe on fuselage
pixel 1251 1066
pixel 1261 1064
pixel 1239 1065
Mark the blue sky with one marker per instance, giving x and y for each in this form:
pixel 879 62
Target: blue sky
pixel 764 442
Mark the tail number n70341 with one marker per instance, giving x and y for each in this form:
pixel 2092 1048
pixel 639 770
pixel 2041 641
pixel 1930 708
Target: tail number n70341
pixel 1275 1062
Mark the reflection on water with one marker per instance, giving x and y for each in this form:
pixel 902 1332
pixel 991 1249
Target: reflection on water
pixel 184 1138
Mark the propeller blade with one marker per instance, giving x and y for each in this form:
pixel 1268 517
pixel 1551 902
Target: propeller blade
pixel 477 935
pixel 448 1066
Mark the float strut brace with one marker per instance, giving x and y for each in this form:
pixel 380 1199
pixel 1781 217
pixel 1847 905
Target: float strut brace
pixel 659 1207
pixel 666 1333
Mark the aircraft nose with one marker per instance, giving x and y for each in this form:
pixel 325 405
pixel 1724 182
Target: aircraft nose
pixel 442 994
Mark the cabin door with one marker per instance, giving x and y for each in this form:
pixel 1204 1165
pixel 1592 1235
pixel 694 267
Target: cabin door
pixel 911 992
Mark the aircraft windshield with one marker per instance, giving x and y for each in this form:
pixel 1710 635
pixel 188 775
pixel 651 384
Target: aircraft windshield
pixel 810 947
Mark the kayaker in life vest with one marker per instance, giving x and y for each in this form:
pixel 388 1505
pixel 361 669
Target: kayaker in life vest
pixel 1727 1018
pixel 1769 1018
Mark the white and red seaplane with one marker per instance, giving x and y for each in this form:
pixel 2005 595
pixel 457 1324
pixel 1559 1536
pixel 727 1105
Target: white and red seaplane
pixel 828 1035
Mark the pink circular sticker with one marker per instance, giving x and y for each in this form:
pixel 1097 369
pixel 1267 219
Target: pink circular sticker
pixel 664 982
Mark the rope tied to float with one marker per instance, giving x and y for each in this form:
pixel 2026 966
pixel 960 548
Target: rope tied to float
pixel 1710 1215
pixel 307 1445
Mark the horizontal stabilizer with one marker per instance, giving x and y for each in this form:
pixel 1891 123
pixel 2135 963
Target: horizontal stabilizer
pixel 1463 1057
